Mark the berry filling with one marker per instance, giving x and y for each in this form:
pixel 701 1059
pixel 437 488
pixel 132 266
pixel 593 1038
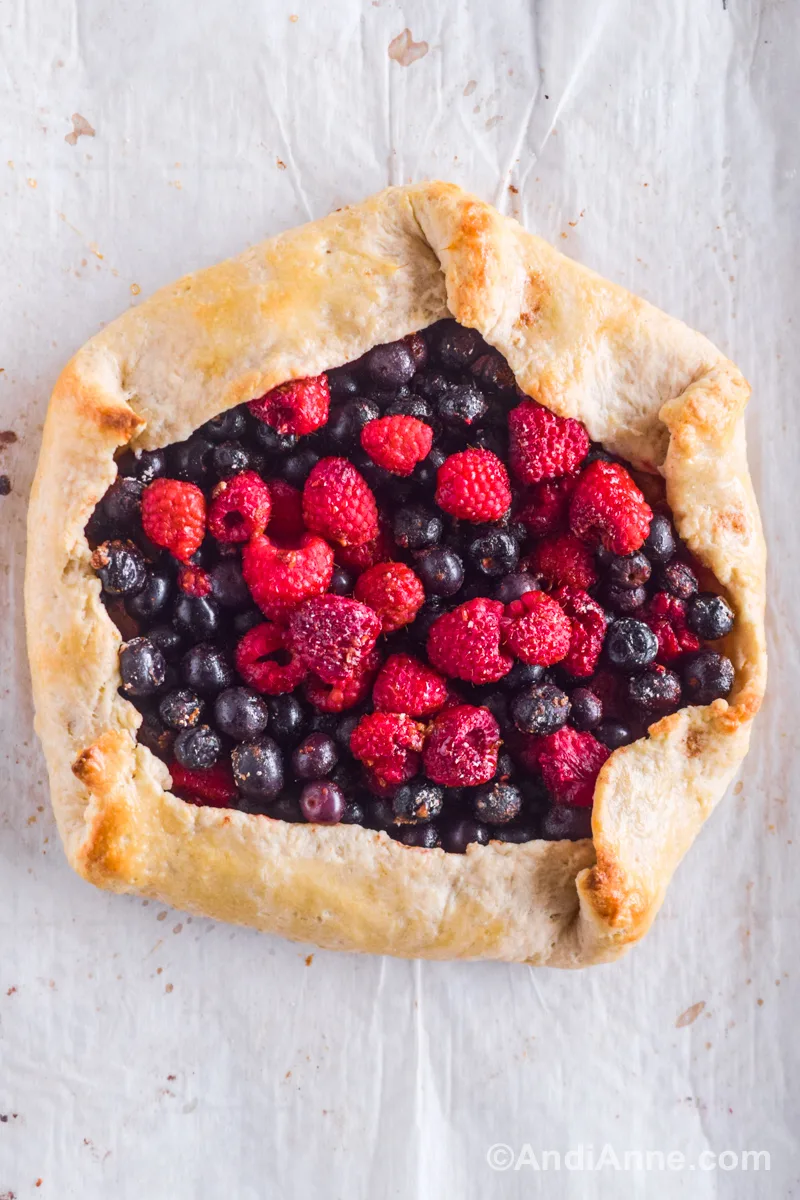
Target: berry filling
pixel 401 595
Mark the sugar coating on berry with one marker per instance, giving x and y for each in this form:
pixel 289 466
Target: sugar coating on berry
pixel 388 744
pixel 350 692
pixel 588 630
pixel 607 505
pixel 280 577
pixel 570 763
pixel 240 507
pixel 261 660
pixel 213 786
pixel 543 445
pixel 338 503
pixel 298 407
pixel 563 559
pixel 332 634
pixel 536 629
pixel 465 643
pixel 473 485
pixel 174 516
pixel 462 747
pixel 394 591
pixel 397 443
pixel 406 685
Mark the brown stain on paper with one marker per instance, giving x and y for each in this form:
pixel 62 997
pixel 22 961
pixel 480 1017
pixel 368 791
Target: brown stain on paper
pixel 80 128
pixel 404 50
pixel 691 1015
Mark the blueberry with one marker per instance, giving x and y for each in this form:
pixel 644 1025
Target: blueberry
pixel 285 808
pixel 426 836
pixel 122 503
pixel 342 382
pixel 629 571
pixel 181 709
pixel 614 734
pixel 241 713
pixel 540 709
pixel 205 669
pixel 517 833
pixel 244 621
pixel 152 599
pixel 354 813
pixel 456 346
pixel 380 814
pixel 521 675
pixel 463 404
pixel 344 729
pixel 416 527
pixel 491 438
pixel 342 581
pixel 458 834
pixel 417 801
pixel 598 453
pixel 587 709
pixel 287 719
pixel 426 473
pixel 497 703
pixel 496 803
pixel 710 616
pixel 322 722
pixel 226 426
pixel 190 460
pixel 707 676
pixel 315 757
pixel 347 420
pixel 567 823
pixel 168 640
pixel 196 616
pixel 677 578
pixel 654 691
pixel 431 385
pixel 156 738
pixel 494 554
pixel 430 612
pixel 322 802
pixel 513 586
pixel 624 602
pixel 630 644
pixel 121 568
pixel 141 666
pixel 228 587
pixel 661 543
pixel 390 366
pixel 296 467
pixel 258 769
pixel 198 748
pixel 228 459
pixel 273 442
pixel 146 465
pixel 440 569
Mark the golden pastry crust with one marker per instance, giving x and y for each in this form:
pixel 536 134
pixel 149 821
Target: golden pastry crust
pixel 644 384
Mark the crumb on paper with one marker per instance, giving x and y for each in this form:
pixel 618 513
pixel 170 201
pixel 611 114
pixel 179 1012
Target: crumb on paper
pixel 168 988
pixel 176 183
pixel 470 87
pixel 7 436
pixel 293 17
pixel 514 190
pixel 490 124
pixel 309 959
pixel 135 291
pixel 80 128
pixel 32 183
pixel 280 164
pixel 737 791
pixel 690 1015
pixel 5 485
pixel 404 50
pixel 177 928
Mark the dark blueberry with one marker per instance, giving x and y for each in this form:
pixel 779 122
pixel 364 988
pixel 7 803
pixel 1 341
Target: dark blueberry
pixel 614 734
pixel 141 666
pixel 388 367
pixel 152 599
pixel 440 569
pixel 493 372
pixel 228 587
pixel 146 465
pixel 196 616
pixel 344 729
pixel 587 709
pixel 654 691
pixel 603 557
pixel 380 814
pixel 121 568
pixel 227 426
pixel 624 602
pixel 418 346
pixel 521 675
pixel 322 802
pixel 342 581
pixel 567 823
pixel 494 554
pixel 426 473
pixel 181 709
pixel 295 468
pixel 517 833
pixel 412 406
pixel 205 669
pixel 243 622
pixel 458 834
pixel 431 385
pixel 122 503
pixel 491 438
pixel 96 529
pixel 342 382
pixel 497 703
pixel 456 346
pixel 540 709
pixel 190 460
pixel 287 719
pixel 198 748
pixel 597 453
pixel 285 808
pixel 229 458
pixel 168 640
pixel 417 801
pixel 315 757
pixel 156 738
pixel 535 796
pixel 430 612
pixel 679 579
pixel 271 441
pixel 629 571
pixel 661 543
pixel 416 527
pixel 425 836
pixel 505 767
pixel 322 722
pixel 630 644
pixel 707 676
pixel 513 586
pixel 241 713
pixel 347 420
pixel 463 404
pixel 354 813
pixel 710 616
pixel 258 768
pixel 496 803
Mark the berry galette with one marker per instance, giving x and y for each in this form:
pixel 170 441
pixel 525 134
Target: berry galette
pixel 397 586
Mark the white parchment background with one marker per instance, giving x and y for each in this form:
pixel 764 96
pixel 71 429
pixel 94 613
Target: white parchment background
pixel 143 1054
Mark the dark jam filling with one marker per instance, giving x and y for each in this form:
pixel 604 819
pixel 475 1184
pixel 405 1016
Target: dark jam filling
pixel 577 647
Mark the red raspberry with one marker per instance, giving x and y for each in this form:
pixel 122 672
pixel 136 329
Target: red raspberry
pixel 397 443
pixel 381 548
pixel 406 685
pixel 570 763
pixel 465 643
pixel 389 745
pixel 666 616
pixel 194 581
pixel 299 407
pixel 174 516
pixel 261 660
pixel 280 577
pixel 337 697
pixel 473 485
pixel 542 445
pixel 338 503
pixel 536 629
pixel 286 518
pixel 462 747
pixel 563 559
pixel 607 504
pixel 545 508
pixel 524 749
pixel 213 787
pixel 332 634
pixel 393 591
pixel 240 507
pixel 588 630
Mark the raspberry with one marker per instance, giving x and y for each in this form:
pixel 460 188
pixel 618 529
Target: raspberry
pixel 286 517
pixel 397 443
pixel 607 504
pixel 388 744
pixel 588 630
pixel 545 508
pixel 337 697
pixel 381 548
pixel 542 445
pixel 298 407
pixel 462 747
pixel 331 635
pixel 338 503
pixel 536 629
pixel 240 507
pixel 666 616
pixel 570 763
pixel 406 685
pixel 261 661
pixel 213 786
pixel 194 581
pixel 465 643
pixel 563 559
pixel 174 516
pixel 473 485
pixel 393 591
pixel 280 577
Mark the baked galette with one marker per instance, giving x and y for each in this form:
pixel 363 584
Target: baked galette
pixel 396 586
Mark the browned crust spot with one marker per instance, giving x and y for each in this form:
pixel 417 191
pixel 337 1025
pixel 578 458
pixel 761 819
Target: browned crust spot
pixel 614 900
pixel 534 298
